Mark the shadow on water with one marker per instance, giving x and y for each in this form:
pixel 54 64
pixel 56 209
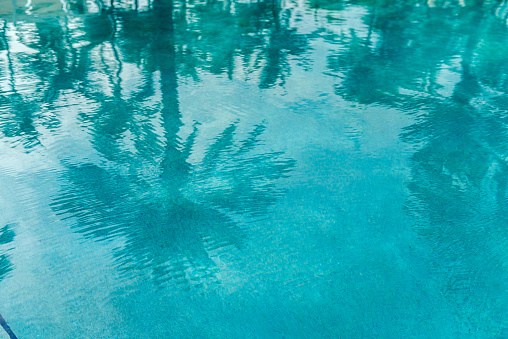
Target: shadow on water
pixel 172 214
pixel 442 64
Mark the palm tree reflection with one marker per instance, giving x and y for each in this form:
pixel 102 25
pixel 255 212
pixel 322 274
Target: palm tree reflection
pixel 6 237
pixel 173 224
pixel 173 215
pixel 459 173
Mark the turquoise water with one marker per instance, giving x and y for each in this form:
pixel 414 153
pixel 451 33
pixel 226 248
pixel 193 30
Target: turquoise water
pixel 242 169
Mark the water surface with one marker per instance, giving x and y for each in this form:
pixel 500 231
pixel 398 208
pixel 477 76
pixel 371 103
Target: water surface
pixel 231 169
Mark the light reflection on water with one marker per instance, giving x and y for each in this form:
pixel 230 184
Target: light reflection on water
pixel 232 169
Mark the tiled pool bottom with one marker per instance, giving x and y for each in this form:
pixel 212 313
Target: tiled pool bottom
pixel 263 170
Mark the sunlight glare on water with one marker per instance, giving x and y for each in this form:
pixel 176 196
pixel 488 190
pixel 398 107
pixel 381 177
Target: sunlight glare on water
pixel 232 169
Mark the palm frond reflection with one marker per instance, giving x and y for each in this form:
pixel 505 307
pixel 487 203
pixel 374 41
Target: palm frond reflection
pixel 174 225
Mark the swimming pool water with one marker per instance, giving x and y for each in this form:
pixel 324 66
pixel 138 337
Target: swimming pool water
pixel 232 169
